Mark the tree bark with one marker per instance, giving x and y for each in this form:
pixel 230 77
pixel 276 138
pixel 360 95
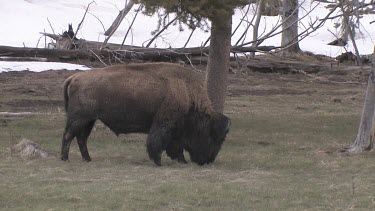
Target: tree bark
pixel 289 36
pixel 218 60
pixel 366 131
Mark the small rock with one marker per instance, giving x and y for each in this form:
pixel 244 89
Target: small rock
pixel 28 149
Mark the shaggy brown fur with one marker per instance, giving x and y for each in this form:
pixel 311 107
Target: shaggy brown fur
pixel 167 101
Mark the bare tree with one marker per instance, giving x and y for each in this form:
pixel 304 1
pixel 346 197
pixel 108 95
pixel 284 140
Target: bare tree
pixel 282 23
pixel 366 131
pixel 348 20
pixel 290 26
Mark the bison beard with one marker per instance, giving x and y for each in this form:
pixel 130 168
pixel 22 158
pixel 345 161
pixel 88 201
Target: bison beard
pixel 166 101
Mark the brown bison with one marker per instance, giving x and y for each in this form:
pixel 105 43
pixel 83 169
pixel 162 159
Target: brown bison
pixel 167 101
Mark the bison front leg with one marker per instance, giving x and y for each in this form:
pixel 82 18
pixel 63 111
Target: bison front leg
pixel 175 151
pixel 157 140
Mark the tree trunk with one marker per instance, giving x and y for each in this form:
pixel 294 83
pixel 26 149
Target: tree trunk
pixel 289 36
pixel 260 9
pixel 366 130
pixel 218 60
pixel 343 33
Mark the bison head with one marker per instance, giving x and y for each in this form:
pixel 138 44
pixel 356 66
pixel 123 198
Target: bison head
pixel 206 136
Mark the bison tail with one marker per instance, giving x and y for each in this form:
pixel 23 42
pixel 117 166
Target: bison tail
pixel 66 94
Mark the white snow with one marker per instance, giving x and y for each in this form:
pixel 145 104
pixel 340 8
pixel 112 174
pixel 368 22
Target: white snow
pixel 23 20
pixel 38 66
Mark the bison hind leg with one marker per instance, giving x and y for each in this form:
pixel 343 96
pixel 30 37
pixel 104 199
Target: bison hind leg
pixel 66 141
pixel 82 140
pixel 79 128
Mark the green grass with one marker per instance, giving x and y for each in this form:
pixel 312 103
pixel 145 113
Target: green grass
pixel 281 154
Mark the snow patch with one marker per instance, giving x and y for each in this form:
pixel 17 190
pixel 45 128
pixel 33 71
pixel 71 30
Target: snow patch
pixel 39 66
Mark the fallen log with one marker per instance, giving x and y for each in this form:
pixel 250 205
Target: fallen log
pixel 50 54
pixel 192 56
pixel 265 66
pixel 22 59
pixel 93 45
pixel 167 55
pixel 129 53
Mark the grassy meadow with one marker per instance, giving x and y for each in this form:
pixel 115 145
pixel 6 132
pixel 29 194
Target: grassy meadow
pixel 282 153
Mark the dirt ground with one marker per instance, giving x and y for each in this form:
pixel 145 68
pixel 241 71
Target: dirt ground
pixel 26 91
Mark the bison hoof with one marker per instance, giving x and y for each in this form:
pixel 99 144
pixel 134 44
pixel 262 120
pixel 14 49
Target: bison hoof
pixel 182 161
pixel 157 162
pixel 64 158
pixel 88 159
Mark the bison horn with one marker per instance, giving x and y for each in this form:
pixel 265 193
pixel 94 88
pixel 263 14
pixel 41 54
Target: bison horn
pixel 228 124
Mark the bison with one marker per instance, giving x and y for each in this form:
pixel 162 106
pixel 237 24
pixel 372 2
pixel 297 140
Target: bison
pixel 167 101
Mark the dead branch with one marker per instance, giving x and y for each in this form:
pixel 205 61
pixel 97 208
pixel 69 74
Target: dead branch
pixel 248 24
pixel 131 25
pixel 116 23
pixel 188 40
pixel 50 25
pixel 272 33
pixel 161 31
pixel 53 36
pixel 80 23
pixel 312 28
pixel 98 57
pixel 352 11
pixel 242 19
pixel 101 23
pixel 205 43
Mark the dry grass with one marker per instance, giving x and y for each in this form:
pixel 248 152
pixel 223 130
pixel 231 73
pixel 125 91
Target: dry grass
pixel 281 154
